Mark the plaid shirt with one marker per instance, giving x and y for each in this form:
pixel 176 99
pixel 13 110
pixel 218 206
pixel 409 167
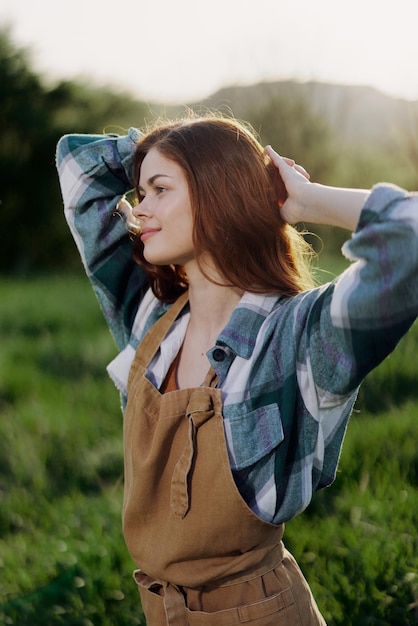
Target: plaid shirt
pixel 289 368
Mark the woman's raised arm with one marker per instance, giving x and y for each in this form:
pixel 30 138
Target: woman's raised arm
pixel 95 171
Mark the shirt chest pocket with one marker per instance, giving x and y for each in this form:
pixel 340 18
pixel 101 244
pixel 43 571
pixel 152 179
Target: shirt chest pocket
pixel 252 436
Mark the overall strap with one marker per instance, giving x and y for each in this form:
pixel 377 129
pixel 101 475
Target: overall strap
pixel 153 338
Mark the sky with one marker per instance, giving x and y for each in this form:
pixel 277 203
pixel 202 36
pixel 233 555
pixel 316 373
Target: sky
pixel 180 51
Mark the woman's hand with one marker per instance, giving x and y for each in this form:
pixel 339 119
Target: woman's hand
pixel 315 203
pixel 294 177
pixel 124 209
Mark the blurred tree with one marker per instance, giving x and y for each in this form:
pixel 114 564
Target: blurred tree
pixel 32 118
pixel 410 143
pixel 23 122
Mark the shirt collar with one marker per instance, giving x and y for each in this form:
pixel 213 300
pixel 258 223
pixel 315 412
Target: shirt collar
pixel 241 332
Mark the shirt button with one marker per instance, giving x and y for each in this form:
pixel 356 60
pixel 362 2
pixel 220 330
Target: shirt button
pixel 219 355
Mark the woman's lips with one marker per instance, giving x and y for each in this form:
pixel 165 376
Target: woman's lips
pixel 148 232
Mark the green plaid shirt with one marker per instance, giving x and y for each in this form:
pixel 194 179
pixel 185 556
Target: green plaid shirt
pixel 289 368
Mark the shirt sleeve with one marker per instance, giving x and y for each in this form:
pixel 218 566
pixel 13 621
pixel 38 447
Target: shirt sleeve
pixel 342 331
pixel 95 171
pixel 359 319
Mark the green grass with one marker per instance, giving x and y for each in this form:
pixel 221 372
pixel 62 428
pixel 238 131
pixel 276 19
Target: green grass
pixel 62 554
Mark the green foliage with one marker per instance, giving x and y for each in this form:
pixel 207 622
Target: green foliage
pixel 32 119
pixel 26 152
pixel 62 554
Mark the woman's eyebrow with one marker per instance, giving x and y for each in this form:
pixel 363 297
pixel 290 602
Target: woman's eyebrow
pixel 151 180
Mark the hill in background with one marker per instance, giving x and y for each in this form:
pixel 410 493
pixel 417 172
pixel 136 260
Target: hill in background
pixel 358 114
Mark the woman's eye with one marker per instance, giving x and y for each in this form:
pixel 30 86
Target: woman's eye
pixel 138 195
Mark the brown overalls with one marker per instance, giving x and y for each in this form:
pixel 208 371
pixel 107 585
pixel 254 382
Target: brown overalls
pixel 206 559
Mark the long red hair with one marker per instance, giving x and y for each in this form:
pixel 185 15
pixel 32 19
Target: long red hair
pixel 234 191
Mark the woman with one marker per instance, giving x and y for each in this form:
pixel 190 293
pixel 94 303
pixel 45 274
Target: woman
pixel 237 376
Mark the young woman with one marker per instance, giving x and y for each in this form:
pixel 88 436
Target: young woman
pixel 237 375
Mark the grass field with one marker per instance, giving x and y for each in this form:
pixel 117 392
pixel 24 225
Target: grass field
pixel 62 555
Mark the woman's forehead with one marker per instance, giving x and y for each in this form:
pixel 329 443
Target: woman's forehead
pixel 156 164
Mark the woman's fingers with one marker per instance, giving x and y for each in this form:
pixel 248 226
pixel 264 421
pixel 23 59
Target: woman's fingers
pixel 302 171
pixel 124 210
pixel 277 159
pixel 289 161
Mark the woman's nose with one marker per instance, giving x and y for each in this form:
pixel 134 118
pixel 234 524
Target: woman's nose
pixel 141 209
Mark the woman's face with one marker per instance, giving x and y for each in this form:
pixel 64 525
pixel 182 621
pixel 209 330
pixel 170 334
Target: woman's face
pixel 165 211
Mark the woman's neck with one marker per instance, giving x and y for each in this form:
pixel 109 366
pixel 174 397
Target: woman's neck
pixel 211 304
